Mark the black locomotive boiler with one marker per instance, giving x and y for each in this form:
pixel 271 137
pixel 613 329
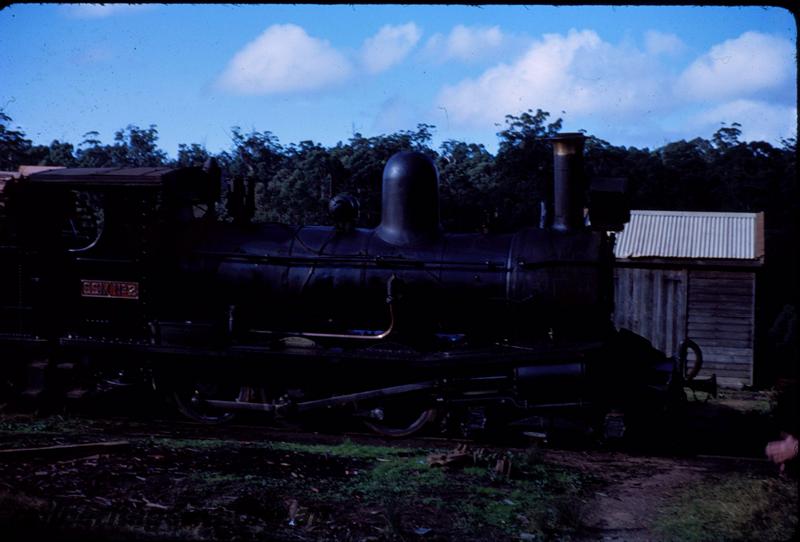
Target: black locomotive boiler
pixel 114 273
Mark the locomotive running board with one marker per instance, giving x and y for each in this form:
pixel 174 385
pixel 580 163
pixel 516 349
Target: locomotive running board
pixel 323 403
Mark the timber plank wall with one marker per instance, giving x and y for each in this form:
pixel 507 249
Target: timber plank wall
pixel 722 321
pixel 715 307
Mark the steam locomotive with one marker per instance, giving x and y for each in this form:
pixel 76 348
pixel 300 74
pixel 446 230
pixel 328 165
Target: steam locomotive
pixel 115 274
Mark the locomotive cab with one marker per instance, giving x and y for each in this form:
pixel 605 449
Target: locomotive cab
pixel 94 240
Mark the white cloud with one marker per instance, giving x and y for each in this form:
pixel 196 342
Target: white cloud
pixel 465 43
pixel 739 67
pixel 284 59
pixel 760 121
pixel 389 46
pixel 578 73
pixel 100 11
pixel 657 43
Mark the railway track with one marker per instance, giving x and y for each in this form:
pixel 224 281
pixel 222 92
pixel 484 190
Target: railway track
pixel 707 429
pixel 90 420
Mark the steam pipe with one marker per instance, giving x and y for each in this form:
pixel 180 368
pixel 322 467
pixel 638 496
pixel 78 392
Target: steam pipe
pixel 382 335
pixel 391 297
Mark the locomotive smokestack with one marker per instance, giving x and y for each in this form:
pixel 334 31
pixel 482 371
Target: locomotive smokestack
pixel 568 191
pixel 410 212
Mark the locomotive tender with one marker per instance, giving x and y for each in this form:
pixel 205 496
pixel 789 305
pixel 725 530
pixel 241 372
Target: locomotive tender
pixel 127 272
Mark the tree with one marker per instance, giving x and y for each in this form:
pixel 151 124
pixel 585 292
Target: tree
pixel 418 140
pixel 466 186
pixel 527 131
pixel 254 157
pixel 37 155
pixel 91 153
pixel 524 169
pixel 300 190
pixel 137 147
pixel 60 154
pixel 14 146
pixel 193 155
pixel 683 178
pixel 603 159
pixel 727 137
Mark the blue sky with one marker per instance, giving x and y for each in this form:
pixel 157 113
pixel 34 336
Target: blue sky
pixel 640 76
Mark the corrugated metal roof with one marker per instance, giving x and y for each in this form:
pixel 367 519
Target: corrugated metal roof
pixel 697 235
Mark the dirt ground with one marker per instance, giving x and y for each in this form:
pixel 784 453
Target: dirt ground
pixel 160 479
pixel 637 491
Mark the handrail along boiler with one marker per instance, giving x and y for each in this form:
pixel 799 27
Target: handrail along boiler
pixel 115 270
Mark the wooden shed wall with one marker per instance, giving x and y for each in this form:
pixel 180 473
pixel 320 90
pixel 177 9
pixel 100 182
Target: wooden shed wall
pixel 652 302
pixel 716 309
pixel 722 321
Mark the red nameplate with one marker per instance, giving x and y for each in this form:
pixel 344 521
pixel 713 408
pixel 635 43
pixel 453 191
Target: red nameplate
pixel 110 288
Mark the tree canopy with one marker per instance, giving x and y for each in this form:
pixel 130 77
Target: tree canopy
pixel 479 191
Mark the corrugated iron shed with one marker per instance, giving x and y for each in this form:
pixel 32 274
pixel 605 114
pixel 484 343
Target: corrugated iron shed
pixel 693 275
pixel 695 235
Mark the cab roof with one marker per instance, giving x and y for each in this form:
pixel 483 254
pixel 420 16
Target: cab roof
pixel 112 177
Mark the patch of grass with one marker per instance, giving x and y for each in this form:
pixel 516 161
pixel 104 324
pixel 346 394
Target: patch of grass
pixel 475 514
pixel 400 478
pixel 530 506
pixel 539 499
pixel 346 449
pixel 739 507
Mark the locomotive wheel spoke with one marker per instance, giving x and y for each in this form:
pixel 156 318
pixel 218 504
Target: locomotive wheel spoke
pixel 399 419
